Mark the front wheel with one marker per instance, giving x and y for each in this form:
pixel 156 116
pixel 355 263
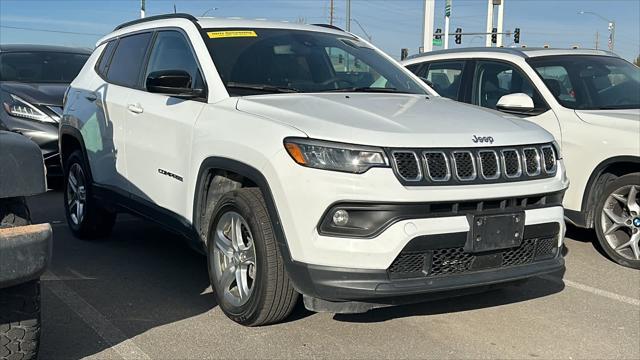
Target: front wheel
pixel 618 220
pixel 246 269
pixel 20 321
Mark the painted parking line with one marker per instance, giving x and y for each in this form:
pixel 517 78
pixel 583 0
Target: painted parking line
pixel 593 290
pixel 114 337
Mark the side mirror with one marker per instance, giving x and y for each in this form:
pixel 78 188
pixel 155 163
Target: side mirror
pixel 519 103
pixel 176 83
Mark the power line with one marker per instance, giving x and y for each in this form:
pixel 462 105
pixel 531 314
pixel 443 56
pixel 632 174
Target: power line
pixel 50 31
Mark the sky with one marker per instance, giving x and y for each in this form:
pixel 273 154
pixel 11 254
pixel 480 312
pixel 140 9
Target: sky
pixel 392 24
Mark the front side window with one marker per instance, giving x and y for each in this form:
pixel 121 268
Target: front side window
pixel 171 51
pixel 41 66
pixel 446 78
pixel 128 59
pixel 590 82
pixel 493 80
pixel 258 61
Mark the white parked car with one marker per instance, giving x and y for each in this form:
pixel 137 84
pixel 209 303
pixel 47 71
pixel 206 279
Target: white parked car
pixel 272 148
pixel 588 99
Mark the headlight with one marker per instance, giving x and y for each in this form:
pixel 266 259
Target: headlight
pixel 20 108
pixel 335 156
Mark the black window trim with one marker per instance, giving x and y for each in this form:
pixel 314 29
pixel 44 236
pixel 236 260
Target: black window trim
pixel 523 73
pixel 96 67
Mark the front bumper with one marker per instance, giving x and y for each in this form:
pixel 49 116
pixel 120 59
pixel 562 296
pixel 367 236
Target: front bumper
pixel 25 252
pixel 441 266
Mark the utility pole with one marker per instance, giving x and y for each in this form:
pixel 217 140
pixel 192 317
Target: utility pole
pixel 348 15
pixel 597 40
pixel 447 15
pixel 331 12
pixel 142 8
pixel 490 13
pixel 427 25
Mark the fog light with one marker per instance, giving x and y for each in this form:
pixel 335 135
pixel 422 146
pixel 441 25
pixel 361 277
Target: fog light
pixel 341 218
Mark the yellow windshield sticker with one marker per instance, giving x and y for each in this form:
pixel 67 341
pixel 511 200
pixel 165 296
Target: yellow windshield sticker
pixel 231 34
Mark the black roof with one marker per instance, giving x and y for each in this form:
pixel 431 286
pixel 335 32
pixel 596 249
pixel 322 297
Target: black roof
pixel 45 48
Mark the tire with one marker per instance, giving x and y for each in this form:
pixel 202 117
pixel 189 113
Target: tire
pixel 14 212
pixel 617 220
pixel 20 321
pixel 93 220
pixel 269 296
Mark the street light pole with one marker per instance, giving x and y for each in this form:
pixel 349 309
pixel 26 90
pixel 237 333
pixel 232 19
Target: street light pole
pixel 142 8
pixel 612 27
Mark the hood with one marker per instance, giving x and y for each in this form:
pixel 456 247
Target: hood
pixel 393 120
pixel 624 119
pixel 37 93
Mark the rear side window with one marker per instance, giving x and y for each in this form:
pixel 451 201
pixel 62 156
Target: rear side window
pixel 106 57
pixel 446 77
pixel 128 59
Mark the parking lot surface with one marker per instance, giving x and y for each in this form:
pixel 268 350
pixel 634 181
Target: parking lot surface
pixel 142 293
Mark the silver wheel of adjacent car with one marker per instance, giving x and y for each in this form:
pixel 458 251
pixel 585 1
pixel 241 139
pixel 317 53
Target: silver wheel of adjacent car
pixel 620 221
pixel 234 258
pixel 76 193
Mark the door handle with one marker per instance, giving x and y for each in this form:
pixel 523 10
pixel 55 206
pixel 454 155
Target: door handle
pixel 135 108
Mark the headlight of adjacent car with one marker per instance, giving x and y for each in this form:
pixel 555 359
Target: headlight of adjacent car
pixel 335 156
pixel 20 108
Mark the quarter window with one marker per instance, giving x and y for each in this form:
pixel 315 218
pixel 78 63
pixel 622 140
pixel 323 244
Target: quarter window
pixel 128 59
pixel 171 51
pixel 106 57
pixel 493 80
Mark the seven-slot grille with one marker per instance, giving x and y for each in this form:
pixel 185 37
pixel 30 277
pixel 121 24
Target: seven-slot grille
pixel 484 165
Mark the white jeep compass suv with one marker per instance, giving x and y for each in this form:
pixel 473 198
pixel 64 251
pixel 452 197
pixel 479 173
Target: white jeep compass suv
pixel 588 99
pixel 303 160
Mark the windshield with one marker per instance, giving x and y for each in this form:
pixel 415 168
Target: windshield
pixel 40 66
pixel 259 61
pixel 590 82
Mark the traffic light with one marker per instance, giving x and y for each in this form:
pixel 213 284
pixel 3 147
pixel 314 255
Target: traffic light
pixel 459 36
pixel 516 36
pixel 438 34
pixel 494 36
pixel 404 53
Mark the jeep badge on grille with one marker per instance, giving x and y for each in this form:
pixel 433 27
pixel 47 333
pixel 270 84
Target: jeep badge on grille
pixel 482 139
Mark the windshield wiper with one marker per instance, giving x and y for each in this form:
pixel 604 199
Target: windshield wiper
pixel 262 87
pixel 368 89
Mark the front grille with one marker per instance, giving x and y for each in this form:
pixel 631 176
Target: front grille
pixel 532 161
pixel 473 166
pixel 549 159
pixel 489 167
pixel 464 165
pixel 406 163
pixel 454 260
pixel 437 166
pixel 511 163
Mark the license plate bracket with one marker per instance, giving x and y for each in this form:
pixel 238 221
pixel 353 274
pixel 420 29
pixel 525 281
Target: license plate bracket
pixel 494 232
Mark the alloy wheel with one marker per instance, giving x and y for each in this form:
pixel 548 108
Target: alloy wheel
pixel 76 193
pixel 620 220
pixel 234 258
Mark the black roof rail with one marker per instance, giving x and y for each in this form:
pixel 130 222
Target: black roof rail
pixel 328 26
pixel 157 17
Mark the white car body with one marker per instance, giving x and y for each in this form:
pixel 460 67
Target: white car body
pixel 152 149
pixel 591 140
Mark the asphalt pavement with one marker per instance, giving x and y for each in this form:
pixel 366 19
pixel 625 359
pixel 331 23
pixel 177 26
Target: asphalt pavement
pixel 143 293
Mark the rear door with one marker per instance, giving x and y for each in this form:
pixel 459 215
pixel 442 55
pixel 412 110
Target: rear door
pixel 159 127
pixel 119 68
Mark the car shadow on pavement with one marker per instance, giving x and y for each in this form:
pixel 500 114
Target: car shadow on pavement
pixel 529 290
pixel 98 294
